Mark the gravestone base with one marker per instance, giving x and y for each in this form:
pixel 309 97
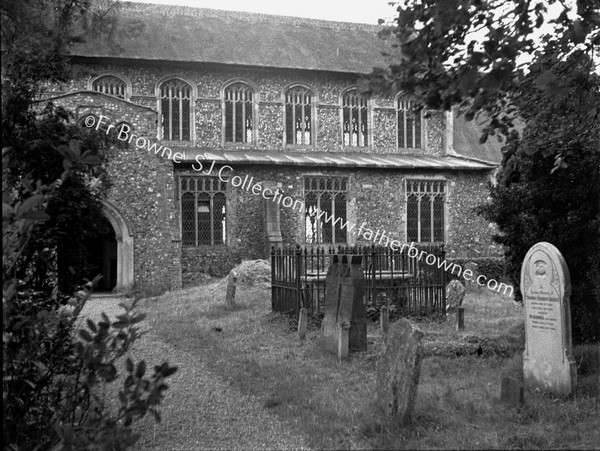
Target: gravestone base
pixel 557 378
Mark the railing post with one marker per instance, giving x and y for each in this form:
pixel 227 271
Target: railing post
pixel 444 278
pixel 273 277
pixel 298 280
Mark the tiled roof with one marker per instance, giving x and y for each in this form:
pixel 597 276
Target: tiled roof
pixel 180 33
pixel 333 159
pixel 466 141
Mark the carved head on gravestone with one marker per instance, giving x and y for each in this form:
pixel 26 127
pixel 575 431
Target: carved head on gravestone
pixel 541 270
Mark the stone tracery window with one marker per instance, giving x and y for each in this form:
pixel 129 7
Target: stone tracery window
pixel 425 216
pixel 175 104
pixel 325 209
pixel 203 211
pixel 355 123
pixel 111 84
pixel 298 116
pixel 410 125
pixel 239 113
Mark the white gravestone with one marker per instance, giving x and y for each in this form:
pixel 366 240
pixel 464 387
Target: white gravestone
pixel 548 362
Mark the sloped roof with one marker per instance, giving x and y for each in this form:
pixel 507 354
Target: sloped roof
pixel 181 33
pixel 333 159
pixel 466 142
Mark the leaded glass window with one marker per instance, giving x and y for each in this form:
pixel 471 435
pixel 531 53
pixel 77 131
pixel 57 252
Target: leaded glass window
pixel 425 201
pixel 203 211
pixel 110 84
pixel 175 110
pixel 355 123
pixel 298 116
pixel 239 114
pixel 325 209
pixel 410 125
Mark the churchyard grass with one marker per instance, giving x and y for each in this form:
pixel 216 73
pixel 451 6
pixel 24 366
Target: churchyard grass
pixel 330 404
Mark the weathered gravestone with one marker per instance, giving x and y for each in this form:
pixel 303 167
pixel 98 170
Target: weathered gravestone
pixel 472 280
pixel 455 294
pixel 548 362
pixel 344 304
pixel 231 282
pixel 398 370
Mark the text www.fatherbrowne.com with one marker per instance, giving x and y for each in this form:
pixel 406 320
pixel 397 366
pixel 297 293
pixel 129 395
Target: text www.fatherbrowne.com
pixel 247 183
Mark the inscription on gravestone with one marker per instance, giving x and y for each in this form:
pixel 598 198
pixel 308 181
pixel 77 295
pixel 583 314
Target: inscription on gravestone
pixel 548 362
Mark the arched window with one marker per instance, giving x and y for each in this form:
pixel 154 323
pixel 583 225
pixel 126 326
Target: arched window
pixel 203 211
pixel 425 200
pixel 239 114
pixel 355 119
pixel 410 125
pixel 325 215
pixel 298 116
pixel 175 101
pixel 111 84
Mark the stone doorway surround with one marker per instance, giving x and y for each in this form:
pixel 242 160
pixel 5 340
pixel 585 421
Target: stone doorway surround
pixel 124 239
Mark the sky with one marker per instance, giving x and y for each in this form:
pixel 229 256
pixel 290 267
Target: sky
pixel 361 11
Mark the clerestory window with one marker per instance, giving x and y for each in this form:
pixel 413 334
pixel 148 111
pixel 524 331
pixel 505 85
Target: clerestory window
pixel 111 84
pixel 239 114
pixel 355 119
pixel 298 116
pixel 410 125
pixel 175 104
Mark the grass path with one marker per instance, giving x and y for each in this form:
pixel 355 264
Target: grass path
pixel 246 381
pixel 201 411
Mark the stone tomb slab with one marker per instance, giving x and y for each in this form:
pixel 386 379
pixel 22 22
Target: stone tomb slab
pixel 548 362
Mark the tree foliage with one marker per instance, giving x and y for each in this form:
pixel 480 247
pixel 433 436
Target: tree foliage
pixel 474 54
pixel 54 372
pixel 536 199
pixel 491 60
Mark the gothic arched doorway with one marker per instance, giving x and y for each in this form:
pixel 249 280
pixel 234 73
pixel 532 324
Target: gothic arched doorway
pixel 110 253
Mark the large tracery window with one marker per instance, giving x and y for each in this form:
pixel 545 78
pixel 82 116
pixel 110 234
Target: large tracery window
pixel 409 125
pixel 175 98
pixel 239 114
pixel 110 84
pixel 298 116
pixel 355 124
pixel 425 201
pixel 203 211
pixel 325 214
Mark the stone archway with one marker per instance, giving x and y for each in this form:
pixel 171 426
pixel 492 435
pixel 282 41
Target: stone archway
pixel 124 246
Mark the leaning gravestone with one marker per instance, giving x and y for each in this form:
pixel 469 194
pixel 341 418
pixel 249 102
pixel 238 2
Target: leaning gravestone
pixel 455 294
pixel 344 305
pixel 548 362
pixel 398 370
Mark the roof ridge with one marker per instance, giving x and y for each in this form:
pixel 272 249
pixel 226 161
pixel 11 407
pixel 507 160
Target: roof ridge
pixel 181 10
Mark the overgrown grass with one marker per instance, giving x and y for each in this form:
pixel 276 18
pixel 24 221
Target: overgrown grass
pixel 331 403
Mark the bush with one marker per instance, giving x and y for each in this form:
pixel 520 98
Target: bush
pixel 53 372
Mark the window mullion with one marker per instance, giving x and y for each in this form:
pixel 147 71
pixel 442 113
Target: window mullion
pixel 212 219
pixel 419 200
pixel 294 131
pixel 181 115
pixel 333 240
pixel 196 217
